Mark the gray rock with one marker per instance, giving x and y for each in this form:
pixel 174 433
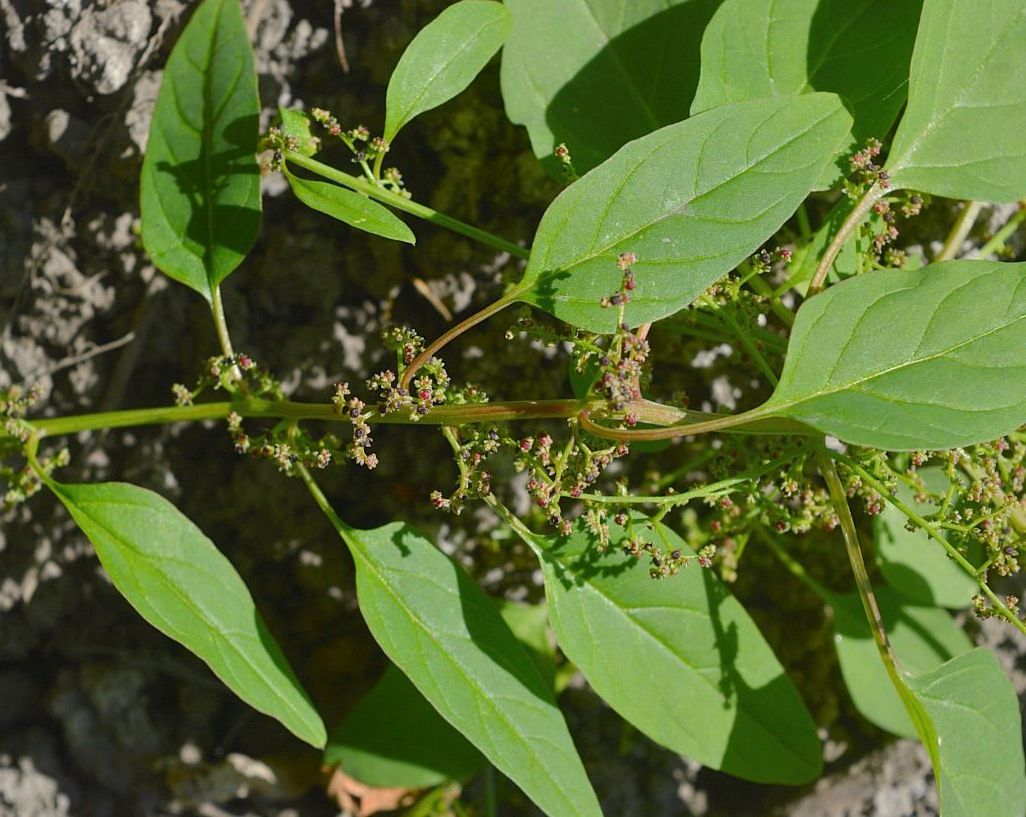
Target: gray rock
pixel 105 45
pixel 27 792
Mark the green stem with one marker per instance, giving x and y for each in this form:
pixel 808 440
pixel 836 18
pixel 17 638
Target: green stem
pixel 1002 235
pixel 498 412
pixel 794 567
pixel 754 421
pixel 963 224
pixel 454 332
pixel 931 531
pixel 385 196
pixel 221 323
pixel 713 489
pixel 746 340
pixel 850 224
pixel 759 285
pixel 839 499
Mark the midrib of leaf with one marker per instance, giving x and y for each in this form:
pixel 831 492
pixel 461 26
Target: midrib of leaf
pixel 219 643
pixel 774 407
pixel 207 147
pixel 679 210
pixel 667 648
pixel 480 693
pixel 959 102
pixel 635 90
pixel 468 42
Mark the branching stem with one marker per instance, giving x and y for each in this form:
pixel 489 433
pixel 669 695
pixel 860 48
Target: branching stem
pixel 850 224
pixel 960 230
pixel 452 333
pixel 932 531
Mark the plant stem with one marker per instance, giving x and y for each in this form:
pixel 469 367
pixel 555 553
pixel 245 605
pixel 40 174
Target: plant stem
pixel 385 196
pixel 760 286
pixel 963 224
pixel 932 531
pixel 454 332
pixel 498 412
pixel 753 421
pixel 742 335
pixel 858 565
pixel 849 226
pixel 221 323
pixel 1002 235
pixel 794 567
pixel 713 489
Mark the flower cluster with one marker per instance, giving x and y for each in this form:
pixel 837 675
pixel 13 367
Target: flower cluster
pixel 865 172
pixel 561 473
pixel 286 445
pixel 236 374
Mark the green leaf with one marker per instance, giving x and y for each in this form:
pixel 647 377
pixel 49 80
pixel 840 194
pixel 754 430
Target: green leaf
pixel 595 74
pixel 913 563
pixel 181 583
pixel 200 184
pixel 443 59
pixel 679 658
pixel 439 628
pixel 394 737
pixel 923 638
pixel 858 49
pixel 979 736
pixel 961 135
pixel 296 125
pixel 351 208
pixel 691 201
pixel 530 624
pixel 924 359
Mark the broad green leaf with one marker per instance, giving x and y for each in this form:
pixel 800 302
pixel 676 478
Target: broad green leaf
pixel 440 629
pixel 979 736
pixel 691 201
pixel 296 125
pixel 679 658
pixel 200 184
pixel 595 74
pixel 394 737
pixel 351 208
pixel 961 135
pixel 923 638
pixel 443 59
pixel 530 624
pixel 858 49
pixel 914 564
pixel 181 583
pixel 925 359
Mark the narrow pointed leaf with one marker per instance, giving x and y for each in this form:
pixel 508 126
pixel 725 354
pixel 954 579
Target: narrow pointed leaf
pixel 679 658
pixel 349 207
pixel 979 736
pixel 858 49
pixel 200 184
pixel 394 738
pixel 913 563
pixel 691 201
pixel 923 638
pixel 925 359
pixel 595 74
pixel 181 583
pixel 961 135
pixel 440 629
pixel 443 59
